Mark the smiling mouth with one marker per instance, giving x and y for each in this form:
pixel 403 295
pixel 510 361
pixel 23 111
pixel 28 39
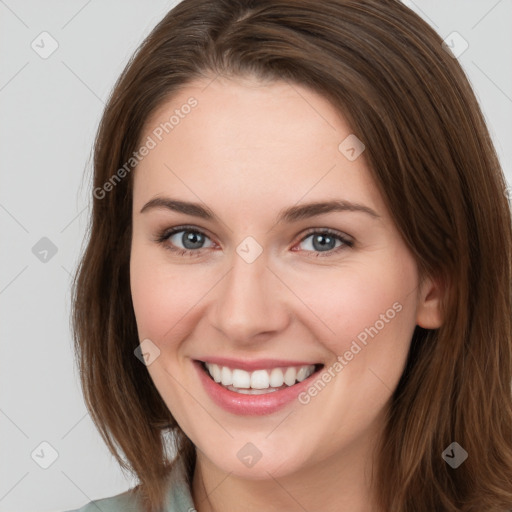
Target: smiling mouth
pixel 259 382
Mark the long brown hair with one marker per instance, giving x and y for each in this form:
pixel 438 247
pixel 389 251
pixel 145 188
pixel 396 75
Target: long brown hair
pixel 431 156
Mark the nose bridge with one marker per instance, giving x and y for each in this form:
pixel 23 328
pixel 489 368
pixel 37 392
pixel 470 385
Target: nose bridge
pixel 247 302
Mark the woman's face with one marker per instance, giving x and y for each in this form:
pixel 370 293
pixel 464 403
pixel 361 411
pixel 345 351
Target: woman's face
pixel 268 283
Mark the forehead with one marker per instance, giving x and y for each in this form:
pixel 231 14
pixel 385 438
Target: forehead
pixel 249 139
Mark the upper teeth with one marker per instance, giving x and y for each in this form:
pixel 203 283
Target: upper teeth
pixel 259 379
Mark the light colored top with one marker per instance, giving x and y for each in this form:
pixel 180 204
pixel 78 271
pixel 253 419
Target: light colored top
pixel 179 498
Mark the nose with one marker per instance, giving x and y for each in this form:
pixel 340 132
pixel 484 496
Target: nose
pixel 249 305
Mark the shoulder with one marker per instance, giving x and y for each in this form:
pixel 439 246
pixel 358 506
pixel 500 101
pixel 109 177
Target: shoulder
pixel 124 502
pixel 179 497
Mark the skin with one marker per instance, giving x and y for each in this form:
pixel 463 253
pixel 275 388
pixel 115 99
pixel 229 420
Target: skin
pixel 248 150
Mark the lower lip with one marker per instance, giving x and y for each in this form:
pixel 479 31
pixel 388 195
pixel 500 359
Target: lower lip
pixel 250 405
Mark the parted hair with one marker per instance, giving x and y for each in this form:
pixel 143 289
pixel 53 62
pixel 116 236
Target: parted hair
pixel 430 154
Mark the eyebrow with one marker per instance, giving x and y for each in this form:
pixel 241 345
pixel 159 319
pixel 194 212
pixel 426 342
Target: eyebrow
pixel 291 214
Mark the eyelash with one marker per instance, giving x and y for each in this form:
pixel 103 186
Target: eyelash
pixel 164 235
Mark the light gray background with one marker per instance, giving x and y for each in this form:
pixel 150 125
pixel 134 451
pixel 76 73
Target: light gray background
pixel 50 109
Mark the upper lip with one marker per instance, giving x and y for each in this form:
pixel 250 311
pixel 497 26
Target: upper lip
pixel 254 364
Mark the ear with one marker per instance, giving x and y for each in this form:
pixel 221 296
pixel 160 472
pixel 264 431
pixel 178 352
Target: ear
pixel 428 311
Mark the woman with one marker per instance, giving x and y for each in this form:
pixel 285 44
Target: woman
pixel 296 292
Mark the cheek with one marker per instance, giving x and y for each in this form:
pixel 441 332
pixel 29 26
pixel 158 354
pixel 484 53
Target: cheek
pixel 153 303
pixel 361 304
pixel 164 296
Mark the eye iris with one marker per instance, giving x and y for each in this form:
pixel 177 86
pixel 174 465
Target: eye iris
pixel 196 239
pixel 323 242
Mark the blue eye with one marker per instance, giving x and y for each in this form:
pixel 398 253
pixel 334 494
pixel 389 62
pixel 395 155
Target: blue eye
pixel 191 239
pixel 324 242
